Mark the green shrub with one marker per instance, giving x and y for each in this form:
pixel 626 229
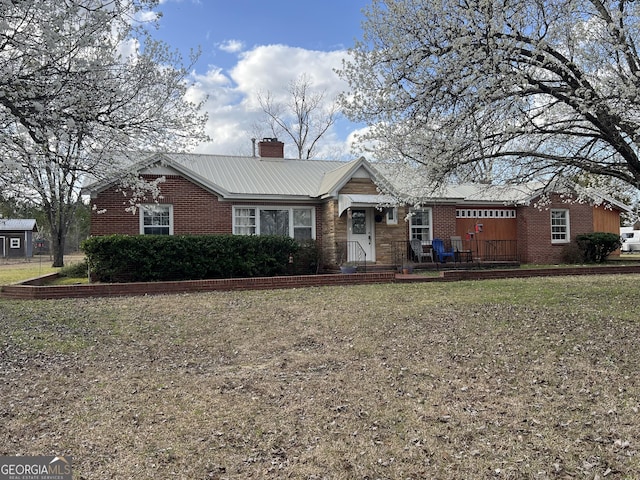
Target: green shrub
pixel 597 246
pixel 572 253
pixel 306 261
pixel 75 270
pixel 143 258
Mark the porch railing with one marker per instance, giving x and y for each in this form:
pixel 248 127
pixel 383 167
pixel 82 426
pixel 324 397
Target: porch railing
pixel 402 253
pixel 481 251
pixel 495 250
pixel 352 253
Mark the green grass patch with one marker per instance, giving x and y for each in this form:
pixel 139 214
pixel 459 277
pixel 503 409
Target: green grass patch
pixel 19 272
pixel 16 271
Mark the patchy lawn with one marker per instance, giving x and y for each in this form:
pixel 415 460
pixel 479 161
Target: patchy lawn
pixel 535 378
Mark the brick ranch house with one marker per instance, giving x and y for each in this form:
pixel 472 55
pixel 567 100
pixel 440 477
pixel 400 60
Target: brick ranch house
pixel 339 205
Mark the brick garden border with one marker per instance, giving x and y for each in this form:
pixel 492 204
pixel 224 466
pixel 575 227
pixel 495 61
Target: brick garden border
pixel 35 288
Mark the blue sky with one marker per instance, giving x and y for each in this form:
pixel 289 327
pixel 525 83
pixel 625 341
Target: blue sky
pixel 252 46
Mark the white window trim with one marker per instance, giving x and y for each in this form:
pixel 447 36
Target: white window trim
pixel 14 242
pixel 567 238
pixel 291 208
pixel 154 205
pixel 392 216
pixel 426 209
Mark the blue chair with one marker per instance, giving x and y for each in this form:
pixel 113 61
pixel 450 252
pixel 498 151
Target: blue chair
pixel 441 253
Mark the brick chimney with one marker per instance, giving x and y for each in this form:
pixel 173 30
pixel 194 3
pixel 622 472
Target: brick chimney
pixel 270 148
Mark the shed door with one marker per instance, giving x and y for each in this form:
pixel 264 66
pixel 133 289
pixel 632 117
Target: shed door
pixel 2 242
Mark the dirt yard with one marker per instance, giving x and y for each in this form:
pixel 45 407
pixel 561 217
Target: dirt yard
pixel 519 379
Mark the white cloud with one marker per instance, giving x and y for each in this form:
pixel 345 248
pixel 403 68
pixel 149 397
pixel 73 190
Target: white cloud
pixel 147 16
pixel 233 106
pixel 231 46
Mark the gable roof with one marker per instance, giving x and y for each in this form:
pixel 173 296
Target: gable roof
pixel 263 178
pixel 250 177
pixel 18 224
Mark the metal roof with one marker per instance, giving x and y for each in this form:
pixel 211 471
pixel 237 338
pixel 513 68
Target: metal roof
pixel 248 177
pixel 362 200
pixel 17 224
pixel 281 178
pixel 260 176
pixel 507 194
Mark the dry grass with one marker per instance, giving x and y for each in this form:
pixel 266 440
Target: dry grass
pixel 532 378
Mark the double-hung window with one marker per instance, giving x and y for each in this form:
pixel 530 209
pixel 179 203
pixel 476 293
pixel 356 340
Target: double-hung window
pixel 303 224
pixel 156 219
pixel 560 226
pixel 420 226
pixel 295 222
pixel 14 243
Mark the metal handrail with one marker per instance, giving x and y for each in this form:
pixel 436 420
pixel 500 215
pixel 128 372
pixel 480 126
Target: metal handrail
pixel 352 252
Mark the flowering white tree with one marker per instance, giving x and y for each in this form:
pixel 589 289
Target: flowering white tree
pixel 79 80
pixel 501 89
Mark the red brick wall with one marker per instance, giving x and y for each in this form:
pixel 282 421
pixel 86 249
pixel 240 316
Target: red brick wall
pixel 444 221
pixel 534 230
pixel 35 291
pixel 195 210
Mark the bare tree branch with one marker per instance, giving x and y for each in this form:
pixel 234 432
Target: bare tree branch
pixel 305 117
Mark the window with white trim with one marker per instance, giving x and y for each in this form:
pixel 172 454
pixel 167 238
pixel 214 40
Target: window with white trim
pixel 560 226
pixel 156 219
pixel 244 221
pixel 420 224
pixel 303 223
pixel 392 216
pixel 295 222
pixel 14 243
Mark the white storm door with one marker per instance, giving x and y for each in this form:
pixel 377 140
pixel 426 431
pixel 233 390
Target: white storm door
pixel 362 230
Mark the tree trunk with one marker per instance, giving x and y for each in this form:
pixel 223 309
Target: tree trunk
pixel 57 246
pixel 59 215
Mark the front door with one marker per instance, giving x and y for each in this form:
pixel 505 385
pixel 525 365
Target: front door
pixel 362 230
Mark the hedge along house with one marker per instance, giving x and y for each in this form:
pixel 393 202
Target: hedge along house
pixel 339 205
pixel 16 237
